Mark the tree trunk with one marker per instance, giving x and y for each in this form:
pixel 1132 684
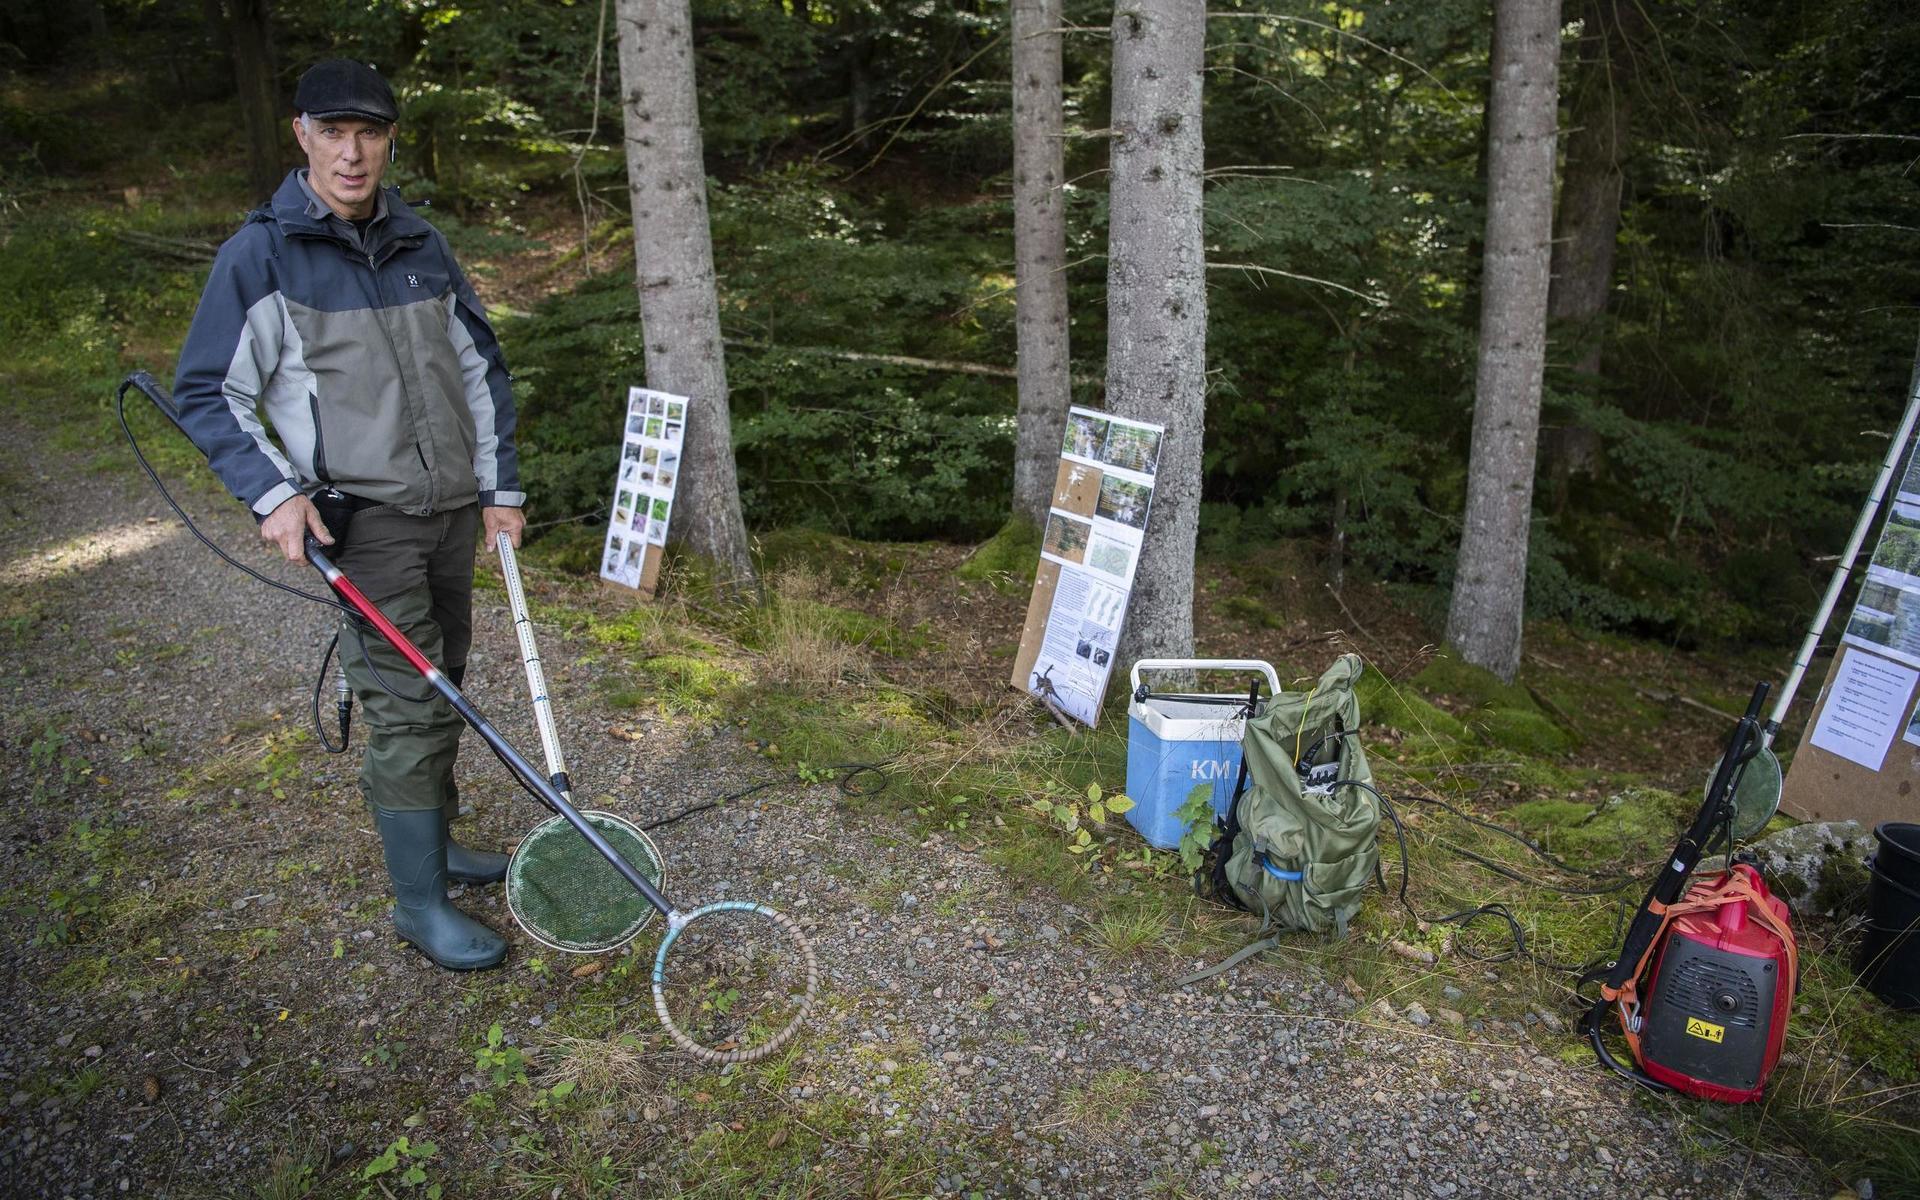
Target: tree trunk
pixel 249 30
pixel 1589 220
pixel 1489 588
pixel 673 253
pixel 1157 298
pixel 1039 255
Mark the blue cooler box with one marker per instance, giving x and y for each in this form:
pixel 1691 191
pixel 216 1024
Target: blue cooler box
pixel 1174 746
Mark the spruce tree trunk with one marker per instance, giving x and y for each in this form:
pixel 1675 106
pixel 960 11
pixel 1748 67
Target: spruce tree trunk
pixel 1489 588
pixel 250 32
pixel 673 254
pixel 1589 219
pixel 1157 298
pixel 1039 255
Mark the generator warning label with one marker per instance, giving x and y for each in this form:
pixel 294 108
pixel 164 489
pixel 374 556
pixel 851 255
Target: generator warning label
pixel 1706 1030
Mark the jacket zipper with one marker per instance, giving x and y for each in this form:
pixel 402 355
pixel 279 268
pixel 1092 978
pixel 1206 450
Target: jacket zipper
pixel 319 442
pixel 373 268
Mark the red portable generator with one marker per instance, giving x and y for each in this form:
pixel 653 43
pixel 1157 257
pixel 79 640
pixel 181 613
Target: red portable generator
pixel 1719 991
pixel 1704 984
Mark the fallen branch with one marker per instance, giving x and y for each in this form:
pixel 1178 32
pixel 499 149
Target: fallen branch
pixel 1559 714
pixel 1690 702
pixel 186 249
pixel 900 360
pixel 1337 599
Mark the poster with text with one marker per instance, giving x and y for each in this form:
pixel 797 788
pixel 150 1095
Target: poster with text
pixel 1089 550
pixel 643 490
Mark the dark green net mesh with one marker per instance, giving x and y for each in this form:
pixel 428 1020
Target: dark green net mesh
pixel 565 894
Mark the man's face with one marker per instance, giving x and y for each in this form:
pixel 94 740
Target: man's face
pixel 346 157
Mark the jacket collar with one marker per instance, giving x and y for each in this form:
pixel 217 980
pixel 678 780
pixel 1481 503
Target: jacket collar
pixel 299 211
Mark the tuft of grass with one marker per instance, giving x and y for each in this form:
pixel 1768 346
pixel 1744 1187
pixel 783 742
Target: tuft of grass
pixel 804 641
pixel 619 1065
pixel 291 1173
pixel 1123 930
pixel 1103 1106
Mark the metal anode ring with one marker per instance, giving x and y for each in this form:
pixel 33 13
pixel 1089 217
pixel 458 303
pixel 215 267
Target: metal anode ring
pixel 723 1057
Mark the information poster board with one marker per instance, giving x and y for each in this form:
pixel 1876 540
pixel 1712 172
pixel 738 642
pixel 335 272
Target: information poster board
pixel 1088 553
pixel 1860 758
pixel 643 492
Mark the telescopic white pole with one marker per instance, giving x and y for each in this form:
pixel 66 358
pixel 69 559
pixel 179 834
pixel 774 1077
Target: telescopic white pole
pixel 530 658
pixel 1840 574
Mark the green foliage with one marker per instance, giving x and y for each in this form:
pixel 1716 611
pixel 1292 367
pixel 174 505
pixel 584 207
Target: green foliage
pixel 403 1164
pixel 1197 830
pixel 502 1063
pixel 1008 559
pixel 1505 715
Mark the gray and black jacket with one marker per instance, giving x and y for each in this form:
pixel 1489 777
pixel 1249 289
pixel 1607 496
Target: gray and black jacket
pixel 369 353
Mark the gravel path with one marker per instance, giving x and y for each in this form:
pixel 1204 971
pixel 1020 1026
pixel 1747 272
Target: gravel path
pixel 236 994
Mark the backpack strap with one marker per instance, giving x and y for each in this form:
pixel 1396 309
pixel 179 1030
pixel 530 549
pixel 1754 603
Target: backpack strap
pixel 1223 843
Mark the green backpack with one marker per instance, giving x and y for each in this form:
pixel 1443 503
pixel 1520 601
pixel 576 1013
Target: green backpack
pixel 1299 842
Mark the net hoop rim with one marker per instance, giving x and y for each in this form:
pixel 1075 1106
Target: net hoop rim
pixel 676 925
pixel 629 827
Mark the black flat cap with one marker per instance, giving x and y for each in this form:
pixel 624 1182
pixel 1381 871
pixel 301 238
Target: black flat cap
pixel 340 87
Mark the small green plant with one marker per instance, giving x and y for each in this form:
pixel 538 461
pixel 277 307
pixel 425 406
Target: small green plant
pixel 1195 815
pixel 502 1063
pixel 951 816
pixel 289 1175
pixel 405 1156
pixel 809 774
pixel 1068 813
pixel 69 913
pixel 718 1000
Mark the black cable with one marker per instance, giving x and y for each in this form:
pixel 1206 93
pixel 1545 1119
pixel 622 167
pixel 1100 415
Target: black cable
pixel 1533 847
pixel 319 682
pixel 1465 917
pixel 850 771
pixel 360 636
pixel 120 410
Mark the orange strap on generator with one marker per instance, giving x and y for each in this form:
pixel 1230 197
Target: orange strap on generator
pixel 1726 889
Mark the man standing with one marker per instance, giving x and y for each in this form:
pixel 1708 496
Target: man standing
pixel 344 316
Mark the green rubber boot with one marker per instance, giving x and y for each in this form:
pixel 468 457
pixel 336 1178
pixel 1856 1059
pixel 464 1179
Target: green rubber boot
pixel 469 866
pixel 464 865
pixel 416 846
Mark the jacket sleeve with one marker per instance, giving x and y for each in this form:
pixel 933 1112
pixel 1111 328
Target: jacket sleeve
pixel 489 390
pixel 230 354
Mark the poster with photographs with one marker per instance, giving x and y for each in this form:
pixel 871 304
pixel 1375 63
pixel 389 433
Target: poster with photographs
pixel 1886 617
pixel 1089 549
pixel 643 493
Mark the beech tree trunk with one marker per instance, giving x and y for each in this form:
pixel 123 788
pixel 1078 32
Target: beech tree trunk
pixel 250 33
pixel 1589 219
pixel 673 254
pixel 1039 255
pixel 1157 298
pixel 1485 618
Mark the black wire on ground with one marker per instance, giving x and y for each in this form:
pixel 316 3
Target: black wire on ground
pixel 1465 918
pixel 1537 850
pixel 849 772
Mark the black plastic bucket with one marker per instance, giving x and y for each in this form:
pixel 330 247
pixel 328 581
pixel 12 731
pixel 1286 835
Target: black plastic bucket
pixel 1899 854
pixel 1889 957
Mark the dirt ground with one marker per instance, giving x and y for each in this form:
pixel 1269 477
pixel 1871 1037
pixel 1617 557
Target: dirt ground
pixel 204 996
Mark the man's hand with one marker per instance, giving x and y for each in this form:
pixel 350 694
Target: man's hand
pixel 501 519
pixel 288 525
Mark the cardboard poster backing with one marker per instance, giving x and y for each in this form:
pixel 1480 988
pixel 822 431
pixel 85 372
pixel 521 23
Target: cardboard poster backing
pixel 650 459
pixel 1824 786
pixel 1089 550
